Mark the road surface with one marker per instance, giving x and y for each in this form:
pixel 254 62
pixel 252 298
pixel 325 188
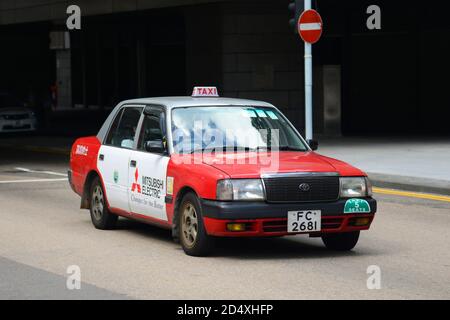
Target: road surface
pixel 43 232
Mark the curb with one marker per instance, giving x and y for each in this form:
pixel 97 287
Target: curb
pixel 415 184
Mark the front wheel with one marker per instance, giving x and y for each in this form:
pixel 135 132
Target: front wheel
pixel 193 237
pixel 100 215
pixel 345 241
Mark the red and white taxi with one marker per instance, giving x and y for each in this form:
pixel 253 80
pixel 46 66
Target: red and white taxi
pixel 206 167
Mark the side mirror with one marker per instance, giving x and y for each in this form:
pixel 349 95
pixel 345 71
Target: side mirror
pixel 313 144
pixel 155 146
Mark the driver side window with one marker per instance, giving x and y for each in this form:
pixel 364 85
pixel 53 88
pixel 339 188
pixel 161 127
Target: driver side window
pixel 152 130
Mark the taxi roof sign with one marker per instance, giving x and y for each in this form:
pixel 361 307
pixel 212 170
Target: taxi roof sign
pixel 205 92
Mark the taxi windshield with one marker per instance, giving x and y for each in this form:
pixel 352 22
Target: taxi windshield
pixel 233 128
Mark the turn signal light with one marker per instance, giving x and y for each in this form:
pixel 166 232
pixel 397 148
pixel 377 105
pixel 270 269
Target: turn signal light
pixel 236 227
pixel 362 221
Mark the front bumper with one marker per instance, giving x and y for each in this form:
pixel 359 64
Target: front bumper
pixel 270 219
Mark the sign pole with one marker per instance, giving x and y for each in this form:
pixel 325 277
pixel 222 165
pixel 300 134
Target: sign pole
pixel 308 85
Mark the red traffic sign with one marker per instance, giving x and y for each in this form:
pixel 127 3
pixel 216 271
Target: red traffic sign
pixel 310 26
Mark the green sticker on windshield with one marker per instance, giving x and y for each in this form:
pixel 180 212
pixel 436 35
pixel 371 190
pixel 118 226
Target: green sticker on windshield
pixel 272 115
pixel 261 113
pixel 251 113
pixel 356 206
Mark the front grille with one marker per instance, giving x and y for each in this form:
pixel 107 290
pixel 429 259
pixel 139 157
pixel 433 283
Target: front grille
pixel 281 225
pixel 17 116
pixel 287 189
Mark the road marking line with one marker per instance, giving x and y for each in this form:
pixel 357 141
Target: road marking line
pixel 409 194
pixel 45 172
pixel 31 180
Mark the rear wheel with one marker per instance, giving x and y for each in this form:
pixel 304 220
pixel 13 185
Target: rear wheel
pixel 100 215
pixel 345 241
pixel 193 237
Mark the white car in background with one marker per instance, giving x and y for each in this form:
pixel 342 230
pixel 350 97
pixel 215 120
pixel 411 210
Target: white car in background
pixel 14 117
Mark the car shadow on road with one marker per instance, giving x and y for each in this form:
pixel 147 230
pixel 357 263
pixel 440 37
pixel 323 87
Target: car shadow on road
pixel 290 247
pixel 143 229
pixel 294 247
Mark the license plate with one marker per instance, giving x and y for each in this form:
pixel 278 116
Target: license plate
pixel 304 221
pixel 18 123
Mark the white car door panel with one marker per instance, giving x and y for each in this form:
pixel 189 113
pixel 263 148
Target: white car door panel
pixel 147 184
pixel 148 170
pixel 114 156
pixel 114 171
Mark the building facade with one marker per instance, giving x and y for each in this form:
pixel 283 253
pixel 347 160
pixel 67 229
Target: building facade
pixel 382 81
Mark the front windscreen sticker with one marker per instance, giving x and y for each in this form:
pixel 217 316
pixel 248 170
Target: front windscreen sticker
pixel 251 113
pixel 272 115
pixel 261 113
pixel 356 206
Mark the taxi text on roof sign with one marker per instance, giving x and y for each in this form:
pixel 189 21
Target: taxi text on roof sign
pixel 205 92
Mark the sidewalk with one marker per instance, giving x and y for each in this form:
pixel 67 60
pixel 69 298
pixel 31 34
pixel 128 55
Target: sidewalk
pixel 415 164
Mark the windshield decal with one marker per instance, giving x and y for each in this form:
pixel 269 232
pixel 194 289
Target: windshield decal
pixel 261 113
pixel 272 115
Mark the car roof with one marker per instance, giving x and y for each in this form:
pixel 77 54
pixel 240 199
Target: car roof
pixel 174 102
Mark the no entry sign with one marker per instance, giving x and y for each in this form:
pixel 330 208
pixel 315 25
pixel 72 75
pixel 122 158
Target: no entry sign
pixel 310 26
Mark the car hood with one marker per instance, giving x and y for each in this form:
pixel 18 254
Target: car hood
pixel 254 165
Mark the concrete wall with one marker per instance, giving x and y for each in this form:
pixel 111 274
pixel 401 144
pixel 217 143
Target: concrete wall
pixel 262 58
pixel 22 11
pixel 64 78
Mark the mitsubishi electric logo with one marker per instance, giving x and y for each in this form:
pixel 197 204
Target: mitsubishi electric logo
pixel 136 187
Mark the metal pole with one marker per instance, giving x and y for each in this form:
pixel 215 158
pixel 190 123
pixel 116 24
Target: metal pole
pixel 308 85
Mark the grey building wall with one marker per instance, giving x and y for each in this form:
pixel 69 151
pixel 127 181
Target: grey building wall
pixel 262 58
pixel 64 78
pixel 22 11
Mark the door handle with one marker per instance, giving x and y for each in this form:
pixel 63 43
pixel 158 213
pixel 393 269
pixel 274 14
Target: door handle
pixel 101 157
pixel 133 163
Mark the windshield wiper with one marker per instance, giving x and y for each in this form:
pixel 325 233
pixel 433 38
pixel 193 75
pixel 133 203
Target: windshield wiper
pixel 224 148
pixel 289 148
pixel 278 148
pixel 238 148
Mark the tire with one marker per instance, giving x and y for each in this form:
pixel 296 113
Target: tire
pixel 345 241
pixel 101 218
pixel 192 233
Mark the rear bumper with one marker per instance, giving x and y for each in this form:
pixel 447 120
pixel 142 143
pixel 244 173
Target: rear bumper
pixel 268 219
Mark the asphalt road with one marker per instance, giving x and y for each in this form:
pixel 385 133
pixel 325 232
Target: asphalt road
pixel 43 232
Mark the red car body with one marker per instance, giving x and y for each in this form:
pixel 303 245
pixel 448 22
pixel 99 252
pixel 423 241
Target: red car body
pixel 202 179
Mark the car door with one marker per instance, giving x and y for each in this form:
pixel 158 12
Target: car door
pixel 114 156
pixel 148 166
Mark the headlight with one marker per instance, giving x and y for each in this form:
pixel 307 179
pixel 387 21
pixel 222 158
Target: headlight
pixel 240 189
pixel 353 187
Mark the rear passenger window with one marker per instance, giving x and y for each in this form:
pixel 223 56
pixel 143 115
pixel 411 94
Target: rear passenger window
pixel 123 129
